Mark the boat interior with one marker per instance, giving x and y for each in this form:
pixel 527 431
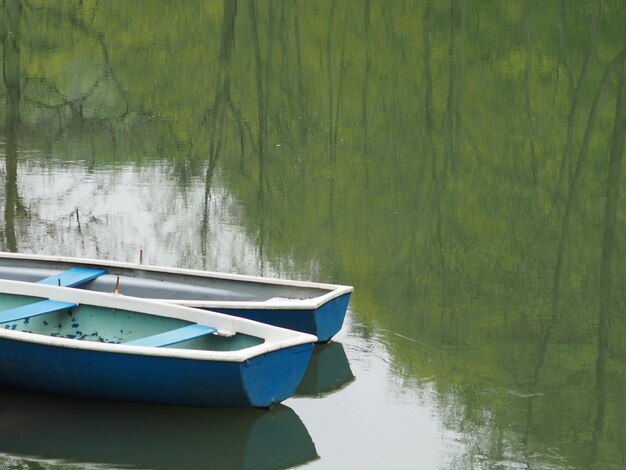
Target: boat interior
pixel 109 325
pixel 155 284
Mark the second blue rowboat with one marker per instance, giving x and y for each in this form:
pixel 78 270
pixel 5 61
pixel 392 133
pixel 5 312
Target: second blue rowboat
pixel 309 307
pixel 75 342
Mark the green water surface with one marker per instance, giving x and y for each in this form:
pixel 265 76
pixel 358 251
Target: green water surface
pixel 459 162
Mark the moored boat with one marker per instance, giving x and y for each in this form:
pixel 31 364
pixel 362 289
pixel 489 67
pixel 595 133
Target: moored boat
pixel 310 307
pixel 77 342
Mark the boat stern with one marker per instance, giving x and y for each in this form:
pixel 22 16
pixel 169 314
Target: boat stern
pixel 270 378
pixel 329 317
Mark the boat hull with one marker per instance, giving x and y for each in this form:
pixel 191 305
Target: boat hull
pixel 150 379
pixel 323 322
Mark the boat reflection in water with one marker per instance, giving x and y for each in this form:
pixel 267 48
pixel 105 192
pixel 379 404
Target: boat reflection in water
pixel 50 427
pixel 328 371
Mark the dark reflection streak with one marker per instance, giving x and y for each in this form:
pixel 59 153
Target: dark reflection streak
pixel 428 86
pixel 429 156
pixel 429 148
pixel 302 118
pixel 575 90
pixel 436 183
pixel 239 121
pixel 366 147
pixel 340 87
pixel 458 79
pixel 301 90
pixel 573 102
pixel 261 111
pixel 365 93
pixel 446 178
pixel 452 155
pixel 455 87
pixel 454 114
pixel 284 64
pixel 573 186
pixel 531 130
pixel 11 73
pixel 259 89
pixel 329 74
pixel 610 216
pixel 562 44
pixel 335 134
pixel 226 51
pixel 533 166
pixel 584 150
pixel 218 111
pixel 332 128
pixel 268 79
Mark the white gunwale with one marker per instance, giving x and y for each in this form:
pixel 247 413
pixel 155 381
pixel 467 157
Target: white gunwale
pixel 275 338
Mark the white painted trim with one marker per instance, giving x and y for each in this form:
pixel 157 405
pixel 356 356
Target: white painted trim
pixel 275 338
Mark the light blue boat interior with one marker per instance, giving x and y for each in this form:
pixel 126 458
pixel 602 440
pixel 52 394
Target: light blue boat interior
pixel 108 325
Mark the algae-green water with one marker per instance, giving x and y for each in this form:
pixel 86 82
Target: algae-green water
pixel 459 163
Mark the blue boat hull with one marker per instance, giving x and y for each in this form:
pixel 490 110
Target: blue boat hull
pixel 323 322
pixel 259 382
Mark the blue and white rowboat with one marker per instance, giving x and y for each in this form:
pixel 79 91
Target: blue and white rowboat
pixel 77 342
pixel 310 307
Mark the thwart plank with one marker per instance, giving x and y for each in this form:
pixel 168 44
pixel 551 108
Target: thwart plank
pixel 174 336
pixel 33 310
pixel 73 277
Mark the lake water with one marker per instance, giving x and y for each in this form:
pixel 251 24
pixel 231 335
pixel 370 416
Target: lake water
pixel 459 163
